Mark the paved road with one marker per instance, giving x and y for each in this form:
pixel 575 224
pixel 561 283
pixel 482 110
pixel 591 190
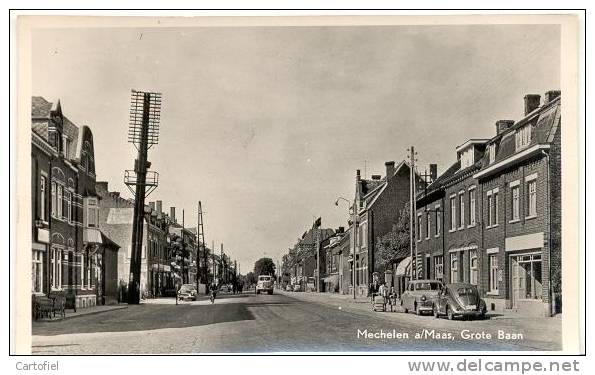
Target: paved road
pixel 277 323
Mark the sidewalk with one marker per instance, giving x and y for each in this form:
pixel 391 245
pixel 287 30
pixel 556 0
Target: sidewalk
pixel 81 312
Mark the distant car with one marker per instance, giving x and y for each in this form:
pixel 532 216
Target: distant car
pixel 297 288
pixel 264 284
pixel 460 300
pixel 420 295
pixel 288 288
pixel 187 292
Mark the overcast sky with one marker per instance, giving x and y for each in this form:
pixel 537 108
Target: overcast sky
pixel 268 125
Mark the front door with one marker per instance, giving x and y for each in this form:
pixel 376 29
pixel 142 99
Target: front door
pixel 518 281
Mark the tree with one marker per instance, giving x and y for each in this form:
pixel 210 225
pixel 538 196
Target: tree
pixel 250 278
pixel 264 266
pixel 394 246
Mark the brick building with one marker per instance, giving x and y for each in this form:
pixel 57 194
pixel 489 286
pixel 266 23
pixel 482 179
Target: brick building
pixel 493 218
pixel 380 202
pixel 115 219
pixel 68 248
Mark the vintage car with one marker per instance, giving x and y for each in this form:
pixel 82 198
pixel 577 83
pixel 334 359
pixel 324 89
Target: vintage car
pixel 460 300
pixel 288 288
pixel 420 295
pixel 187 292
pixel 297 288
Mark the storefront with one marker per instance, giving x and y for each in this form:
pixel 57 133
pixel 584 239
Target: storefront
pixel 526 292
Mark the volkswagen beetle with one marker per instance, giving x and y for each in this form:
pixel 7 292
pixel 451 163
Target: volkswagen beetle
pixel 420 296
pixel 460 300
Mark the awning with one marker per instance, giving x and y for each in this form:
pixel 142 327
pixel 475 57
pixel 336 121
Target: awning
pixel 403 269
pixel 92 235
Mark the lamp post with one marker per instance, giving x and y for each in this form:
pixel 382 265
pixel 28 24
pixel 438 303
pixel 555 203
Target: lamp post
pixel 354 235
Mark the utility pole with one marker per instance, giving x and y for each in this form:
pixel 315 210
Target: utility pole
pixel 184 279
pixel 201 272
pixel 143 132
pixel 412 212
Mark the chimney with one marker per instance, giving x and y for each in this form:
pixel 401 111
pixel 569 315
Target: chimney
pixel 550 95
pixel 531 103
pixel 158 206
pixel 172 214
pixel 390 169
pixel 376 177
pixel 433 172
pixel 503 125
pixel 101 185
pixel 358 175
pixel 341 230
pixel 152 206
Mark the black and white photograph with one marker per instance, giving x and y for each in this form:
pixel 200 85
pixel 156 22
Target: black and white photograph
pixel 201 185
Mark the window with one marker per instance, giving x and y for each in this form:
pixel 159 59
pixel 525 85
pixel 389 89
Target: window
pixel 56 268
pixel 42 198
pixel 68 202
pixel 59 202
pixel 472 207
pixel 493 273
pixel 461 210
pixel 37 272
pixel 54 199
pixel 492 153
pixel 454 267
pixel 428 224
pixel 515 203
pixel 473 267
pixel 523 137
pixel 418 230
pixel 438 221
pixel 492 207
pixel 467 158
pixel 92 213
pixel 532 191
pixel 453 213
pixel 526 277
pixel 439 267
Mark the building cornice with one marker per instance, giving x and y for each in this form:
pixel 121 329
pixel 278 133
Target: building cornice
pixel 516 158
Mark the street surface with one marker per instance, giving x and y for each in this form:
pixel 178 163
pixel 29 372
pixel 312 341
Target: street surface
pixel 285 322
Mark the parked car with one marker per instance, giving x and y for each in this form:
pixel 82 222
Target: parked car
pixel 187 292
pixel 420 296
pixel 288 288
pixel 297 288
pixel 264 284
pixel 460 300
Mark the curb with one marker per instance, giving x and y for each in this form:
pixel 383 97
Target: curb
pixel 57 319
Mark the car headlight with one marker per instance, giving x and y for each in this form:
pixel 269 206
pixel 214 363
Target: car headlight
pixel 423 298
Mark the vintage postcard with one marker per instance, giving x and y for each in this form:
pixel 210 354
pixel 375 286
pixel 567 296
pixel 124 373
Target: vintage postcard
pixel 192 185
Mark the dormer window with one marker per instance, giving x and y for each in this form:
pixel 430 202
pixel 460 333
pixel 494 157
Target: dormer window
pixel 467 158
pixel 523 136
pixel 492 153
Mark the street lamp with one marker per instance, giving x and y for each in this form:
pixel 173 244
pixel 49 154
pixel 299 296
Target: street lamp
pixel 354 234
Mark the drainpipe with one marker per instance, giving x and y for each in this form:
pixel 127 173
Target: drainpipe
pixel 549 216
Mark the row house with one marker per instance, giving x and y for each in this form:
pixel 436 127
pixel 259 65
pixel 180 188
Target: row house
pixel 493 218
pixel 380 202
pixel 336 262
pixel 116 215
pixel 70 255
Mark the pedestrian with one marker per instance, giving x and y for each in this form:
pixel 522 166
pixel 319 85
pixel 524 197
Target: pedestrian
pixel 392 297
pixel 383 291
